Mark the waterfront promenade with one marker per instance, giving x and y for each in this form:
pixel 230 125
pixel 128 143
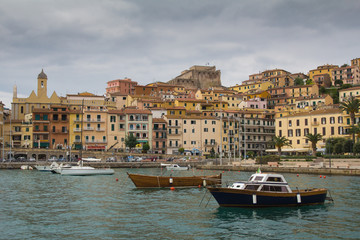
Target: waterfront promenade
pixel 347 167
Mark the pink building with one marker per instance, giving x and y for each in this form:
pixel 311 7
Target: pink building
pixel 122 86
pixel 256 103
pixel 347 74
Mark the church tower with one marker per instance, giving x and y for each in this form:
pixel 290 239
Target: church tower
pixel 42 84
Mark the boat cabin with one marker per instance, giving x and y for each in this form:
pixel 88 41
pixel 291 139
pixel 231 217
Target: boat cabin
pixel 264 182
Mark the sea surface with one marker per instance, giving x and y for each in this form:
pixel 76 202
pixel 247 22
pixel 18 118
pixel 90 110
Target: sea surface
pixel 40 205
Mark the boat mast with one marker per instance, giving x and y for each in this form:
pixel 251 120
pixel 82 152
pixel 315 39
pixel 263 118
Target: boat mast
pixel 82 128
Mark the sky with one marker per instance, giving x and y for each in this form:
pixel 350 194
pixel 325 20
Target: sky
pixel 83 44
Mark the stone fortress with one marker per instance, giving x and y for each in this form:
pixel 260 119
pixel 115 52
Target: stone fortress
pixel 199 77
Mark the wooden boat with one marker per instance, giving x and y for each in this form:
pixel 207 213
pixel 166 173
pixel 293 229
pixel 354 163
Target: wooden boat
pixel 266 190
pixel 146 181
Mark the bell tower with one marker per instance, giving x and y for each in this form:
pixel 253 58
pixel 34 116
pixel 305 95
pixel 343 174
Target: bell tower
pixel 42 84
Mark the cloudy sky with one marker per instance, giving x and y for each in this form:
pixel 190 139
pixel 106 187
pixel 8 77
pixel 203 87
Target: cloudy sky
pixel 82 44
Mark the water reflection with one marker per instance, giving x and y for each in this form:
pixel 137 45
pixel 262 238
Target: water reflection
pixel 277 213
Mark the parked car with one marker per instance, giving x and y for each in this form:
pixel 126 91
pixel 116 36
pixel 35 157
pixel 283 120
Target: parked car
pixel 111 159
pixel 53 159
pixel 138 159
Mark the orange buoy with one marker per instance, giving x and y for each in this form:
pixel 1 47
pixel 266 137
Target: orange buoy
pixel 324 176
pixel 223 171
pixel 199 186
pixel 297 175
pixel 172 188
pixel 320 176
pixel 117 179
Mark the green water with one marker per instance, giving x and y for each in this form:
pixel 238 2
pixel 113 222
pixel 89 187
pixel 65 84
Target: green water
pixel 38 205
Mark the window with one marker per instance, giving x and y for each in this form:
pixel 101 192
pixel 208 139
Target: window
pixel 306 122
pixel 323 120
pixel 290 133
pixel 279 123
pixel 298 132
pixel 323 131
pixel 297 122
pixel 290 123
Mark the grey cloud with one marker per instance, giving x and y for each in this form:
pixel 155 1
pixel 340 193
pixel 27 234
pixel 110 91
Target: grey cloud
pixel 83 44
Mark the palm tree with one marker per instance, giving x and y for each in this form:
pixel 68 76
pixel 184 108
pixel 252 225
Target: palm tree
pixel 314 139
pixel 355 130
pixel 351 106
pixel 280 142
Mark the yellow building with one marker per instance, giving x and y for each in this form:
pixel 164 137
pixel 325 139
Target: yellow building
pixel 324 69
pixel 116 129
pixel 22 106
pixel 252 86
pixel 327 122
pixel 95 128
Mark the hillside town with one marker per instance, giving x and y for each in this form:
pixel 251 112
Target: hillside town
pixel 191 114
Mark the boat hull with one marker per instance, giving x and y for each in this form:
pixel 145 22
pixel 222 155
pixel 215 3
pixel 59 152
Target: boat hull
pixel 86 172
pixel 227 197
pixel 146 181
pixel 43 168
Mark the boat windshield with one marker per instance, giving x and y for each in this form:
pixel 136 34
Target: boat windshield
pixel 270 188
pixel 274 179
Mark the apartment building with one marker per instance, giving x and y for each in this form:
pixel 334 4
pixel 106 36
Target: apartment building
pixel 59 126
pixel 94 128
pixel 349 92
pixel 121 86
pixel 327 122
pixel 346 74
pixel 139 124
pixel 324 69
pixel 41 128
pixel 159 143
pixel 116 130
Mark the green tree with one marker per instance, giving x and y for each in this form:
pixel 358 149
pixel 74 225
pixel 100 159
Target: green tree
pixel 212 152
pixel 338 82
pixel 344 65
pixel 348 146
pixel 309 82
pixel 314 139
pixel 280 142
pixel 338 148
pixel 357 147
pixel 146 147
pixel 130 141
pixel 298 81
pixel 181 150
pixel 351 106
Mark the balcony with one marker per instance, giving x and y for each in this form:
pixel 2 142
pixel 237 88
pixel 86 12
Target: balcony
pixel 315 123
pixel 210 144
pixel 77 129
pixel 88 129
pixel 100 129
pixel 174 126
pixel 94 120
pixel 174 133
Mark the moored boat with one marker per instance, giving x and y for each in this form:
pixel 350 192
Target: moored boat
pixel 147 181
pixel 266 190
pixel 47 168
pixel 175 167
pixel 81 170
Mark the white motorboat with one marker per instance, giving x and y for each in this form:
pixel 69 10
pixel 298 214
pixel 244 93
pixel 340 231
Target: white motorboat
pixel 91 159
pixel 81 170
pixel 174 167
pixel 47 168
